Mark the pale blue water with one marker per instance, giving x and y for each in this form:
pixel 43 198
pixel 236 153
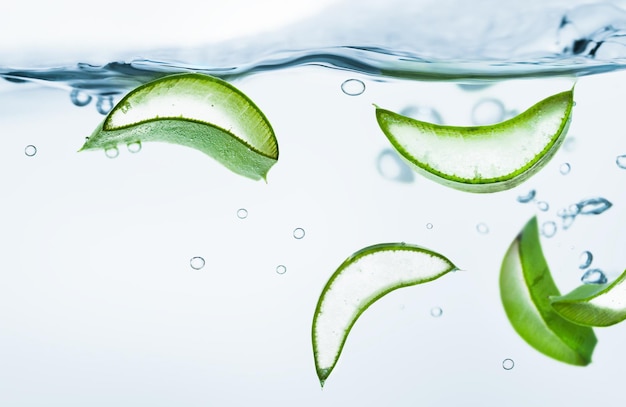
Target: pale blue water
pixel 150 275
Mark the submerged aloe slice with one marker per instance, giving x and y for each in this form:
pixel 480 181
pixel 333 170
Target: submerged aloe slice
pixel 482 158
pixel 594 304
pixel 359 281
pixel 197 111
pixel 525 287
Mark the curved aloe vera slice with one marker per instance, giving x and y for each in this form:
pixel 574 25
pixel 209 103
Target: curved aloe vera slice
pixel 594 304
pixel 359 281
pixel 196 111
pixel 482 158
pixel 525 287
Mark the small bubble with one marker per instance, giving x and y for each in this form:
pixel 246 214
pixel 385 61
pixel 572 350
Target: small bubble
pixel 134 147
pixel 565 168
pixel 298 233
pixel 392 167
pixel 569 144
pixel 436 312
pixel 429 226
pixel 548 229
pixel 585 259
pixel 488 111
pixel 353 87
pixel 593 276
pixel 242 213
pixel 621 161
pixel 508 364
pixel 80 98
pixel 196 262
pixel 482 228
pixel 111 152
pixel 30 150
pixel 104 104
pixel 280 269
pixel 423 113
pixel 528 197
pixel 567 221
pixel 543 206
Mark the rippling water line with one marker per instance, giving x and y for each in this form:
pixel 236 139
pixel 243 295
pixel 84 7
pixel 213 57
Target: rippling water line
pixel 480 41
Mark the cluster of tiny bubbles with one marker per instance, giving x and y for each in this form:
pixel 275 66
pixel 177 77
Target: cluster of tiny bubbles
pixel 436 312
pixel 280 269
pixel 30 150
pixel 429 226
pixel 488 111
pixel 242 213
pixel 585 260
pixel 565 168
pixel 298 233
pixel 104 104
pixel 196 262
pixel 353 87
pixel 543 206
pixel 134 146
pixel 530 196
pixel 508 364
pixel 392 167
pixel 548 229
pixel 621 161
pixel 482 228
pixel 111 151
pixel 594 276
pixel 422 113
pixel 79 98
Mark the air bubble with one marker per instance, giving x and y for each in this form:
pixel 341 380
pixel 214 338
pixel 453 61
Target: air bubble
pixel 488 111
pixel 196 263
pixel 436 312
pixel 392 167
pixel 429 226
pixel 569 144
pixel 111 152
pixel 585 259
pixel 548 229
pixel 79 98
pixel 30 150
pixel 508 364
pixel 594 276
pixel 280 269
pixel 594 206
pixel 353 87
pixel 104 104
pixel 482 228
pixel 528 197
pixel 423 113
pixel 565 168
pixel 621 161
pixel 242 213
pixel 543 206
pixel 298 233
pixel 134 147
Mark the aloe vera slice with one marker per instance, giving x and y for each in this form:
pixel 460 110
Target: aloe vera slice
pixel 197 111
pixel 594 304
pixel 525 287
pixel 482 158
pixel 361 280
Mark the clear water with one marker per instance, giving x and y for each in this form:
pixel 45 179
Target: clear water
pixel 151 275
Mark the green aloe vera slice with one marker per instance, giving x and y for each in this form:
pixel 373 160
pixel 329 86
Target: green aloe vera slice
pixel 594 304
pixel 197 111
pixel 361 280
pixel 525 289
pixel 482 158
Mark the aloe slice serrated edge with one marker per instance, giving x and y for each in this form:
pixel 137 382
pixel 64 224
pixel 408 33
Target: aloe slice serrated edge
pixel 525 287
pixel 482 158
pixel 358 282
pixel 197 111
pixel 594 304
